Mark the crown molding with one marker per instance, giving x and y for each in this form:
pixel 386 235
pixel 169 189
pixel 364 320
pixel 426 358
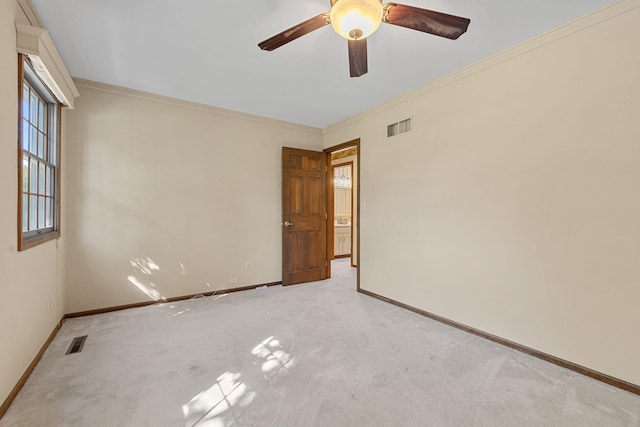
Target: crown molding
pixel 592 19
pixel 134 93
pixel 36 44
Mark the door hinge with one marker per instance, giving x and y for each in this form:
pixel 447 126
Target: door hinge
pixel 326 216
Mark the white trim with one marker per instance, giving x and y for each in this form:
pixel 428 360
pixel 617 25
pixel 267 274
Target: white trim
pixel 611 11
pixel 134 93
pixel 36 43
pixel 29 12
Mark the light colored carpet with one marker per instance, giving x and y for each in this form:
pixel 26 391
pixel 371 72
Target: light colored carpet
pixel 316 354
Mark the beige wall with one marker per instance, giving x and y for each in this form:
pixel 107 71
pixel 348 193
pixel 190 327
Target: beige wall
pixel 514 204
pixel 29 279
pixel 166 198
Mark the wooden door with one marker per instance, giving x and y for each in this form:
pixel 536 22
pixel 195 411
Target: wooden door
pixel 304 216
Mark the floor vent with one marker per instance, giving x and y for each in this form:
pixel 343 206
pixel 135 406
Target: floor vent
pixel 76 345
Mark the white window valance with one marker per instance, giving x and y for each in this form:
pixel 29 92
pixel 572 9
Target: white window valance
pixel 36 44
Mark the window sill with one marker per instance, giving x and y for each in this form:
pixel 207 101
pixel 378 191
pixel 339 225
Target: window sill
pixel 24 244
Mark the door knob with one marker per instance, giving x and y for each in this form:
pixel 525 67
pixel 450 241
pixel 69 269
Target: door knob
pixel 288 224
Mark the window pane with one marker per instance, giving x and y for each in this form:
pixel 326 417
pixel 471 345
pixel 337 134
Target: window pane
pixel 33 211
pixel 25 101
pixel 41 178
pixel 33 176
pixel 25 135
pixel 33 140
pixel 49 219
pixel 53 154
pixel 25 212
pixel 45 152
pixel 25 173
pixel 41 115
pixel 33 110
pixel 41 145
pixel 41 212
pixel 49 181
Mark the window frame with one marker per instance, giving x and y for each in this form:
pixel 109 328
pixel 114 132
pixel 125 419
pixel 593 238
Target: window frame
pixel 28 239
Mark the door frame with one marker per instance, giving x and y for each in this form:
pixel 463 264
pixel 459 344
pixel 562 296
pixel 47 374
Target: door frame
pixel 330 219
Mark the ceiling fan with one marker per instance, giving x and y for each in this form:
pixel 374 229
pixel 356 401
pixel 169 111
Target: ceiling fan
pixel 355 20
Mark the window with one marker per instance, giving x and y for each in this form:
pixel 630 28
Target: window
pixel 38 173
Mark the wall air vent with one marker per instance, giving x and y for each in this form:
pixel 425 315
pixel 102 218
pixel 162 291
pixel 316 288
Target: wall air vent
pixel 76 345
pixel 398 128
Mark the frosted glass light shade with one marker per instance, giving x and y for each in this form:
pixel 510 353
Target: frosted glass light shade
pixel 356 19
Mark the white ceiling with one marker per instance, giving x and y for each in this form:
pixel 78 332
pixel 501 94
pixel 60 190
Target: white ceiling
pixel 206 51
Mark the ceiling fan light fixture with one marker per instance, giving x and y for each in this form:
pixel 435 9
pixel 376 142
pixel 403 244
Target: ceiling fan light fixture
pixel 356 19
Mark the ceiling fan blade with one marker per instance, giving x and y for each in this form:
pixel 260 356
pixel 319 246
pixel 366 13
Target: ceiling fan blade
pixel 358 57
pixel 296 31
pixel 427 21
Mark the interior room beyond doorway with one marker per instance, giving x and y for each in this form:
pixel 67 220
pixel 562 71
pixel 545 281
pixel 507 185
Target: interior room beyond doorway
pixel 344 164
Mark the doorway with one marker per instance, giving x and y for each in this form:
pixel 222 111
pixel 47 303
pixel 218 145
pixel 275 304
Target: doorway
pixel 342 173
pixel 343 201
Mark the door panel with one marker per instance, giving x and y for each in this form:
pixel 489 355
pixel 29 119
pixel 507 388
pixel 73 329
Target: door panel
pixel 295 194
pixel 304 244
pixel 311 197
